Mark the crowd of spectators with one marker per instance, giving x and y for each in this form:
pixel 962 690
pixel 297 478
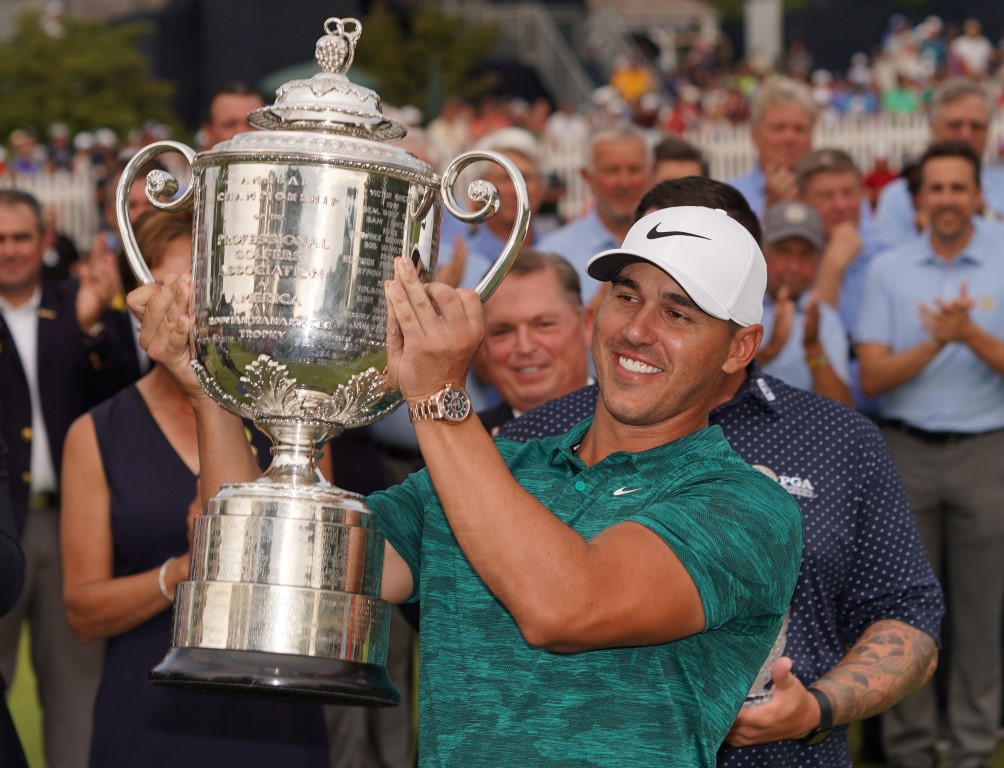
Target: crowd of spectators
pixel 897 76
pixel 669 94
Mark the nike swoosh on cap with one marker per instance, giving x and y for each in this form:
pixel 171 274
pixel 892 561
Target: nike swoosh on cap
pixel 655 234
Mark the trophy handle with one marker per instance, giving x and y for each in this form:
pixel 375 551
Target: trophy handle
pixel 484 192
pixel 158 184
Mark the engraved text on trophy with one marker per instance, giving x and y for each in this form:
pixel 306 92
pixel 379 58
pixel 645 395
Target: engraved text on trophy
pixel 296 258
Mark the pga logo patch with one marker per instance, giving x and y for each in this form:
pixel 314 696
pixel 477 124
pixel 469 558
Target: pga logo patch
pixel 798 486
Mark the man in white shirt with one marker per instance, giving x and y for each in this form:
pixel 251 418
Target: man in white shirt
pixel 57 359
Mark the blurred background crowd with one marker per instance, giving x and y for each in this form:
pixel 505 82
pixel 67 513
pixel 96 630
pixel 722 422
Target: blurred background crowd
pixel 695 83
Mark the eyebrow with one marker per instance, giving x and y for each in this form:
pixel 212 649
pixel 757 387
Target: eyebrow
pixel 682 299
pixel 544 315
pixel 673 297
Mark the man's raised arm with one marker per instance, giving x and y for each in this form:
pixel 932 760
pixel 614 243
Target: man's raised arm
pixel 624 587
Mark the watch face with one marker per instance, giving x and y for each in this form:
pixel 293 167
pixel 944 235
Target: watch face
pixel 456 405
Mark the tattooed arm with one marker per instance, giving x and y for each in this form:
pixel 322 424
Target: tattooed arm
pixel 890 661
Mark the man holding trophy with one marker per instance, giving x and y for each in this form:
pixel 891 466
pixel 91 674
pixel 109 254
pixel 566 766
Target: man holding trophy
pixel 605 597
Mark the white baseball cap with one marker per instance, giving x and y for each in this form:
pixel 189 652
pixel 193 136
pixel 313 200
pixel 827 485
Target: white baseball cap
pixel 512 140
pixel 712 256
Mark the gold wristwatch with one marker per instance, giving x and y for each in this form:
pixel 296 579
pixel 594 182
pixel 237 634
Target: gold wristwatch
pixel 450 404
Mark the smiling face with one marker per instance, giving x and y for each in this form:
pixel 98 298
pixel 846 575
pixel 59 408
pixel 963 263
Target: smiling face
pixel 793 263
pixel 21 251
pixel 964 119
pixel 950 197
pixel 536 343
pixel 836 196
pixel 659 358
pixel 783 135
pixel 618 178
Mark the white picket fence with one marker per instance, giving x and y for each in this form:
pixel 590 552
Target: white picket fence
pixel 727 147
pixel 73 197
pixel 730 152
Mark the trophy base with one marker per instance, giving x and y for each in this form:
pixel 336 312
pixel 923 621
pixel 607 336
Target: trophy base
pixel 276 676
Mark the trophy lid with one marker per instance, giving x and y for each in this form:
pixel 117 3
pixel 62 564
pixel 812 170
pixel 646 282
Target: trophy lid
pixel 329 102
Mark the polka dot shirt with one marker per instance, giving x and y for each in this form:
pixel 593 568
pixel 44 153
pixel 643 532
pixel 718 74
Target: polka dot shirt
pixel 862 561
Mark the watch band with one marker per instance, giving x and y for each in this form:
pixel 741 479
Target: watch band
pixel 442 406
pixel 424 410
pixel 821 732
pixel 817 361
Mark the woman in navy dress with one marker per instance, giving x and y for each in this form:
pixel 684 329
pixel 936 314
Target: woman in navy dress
pixel 130 492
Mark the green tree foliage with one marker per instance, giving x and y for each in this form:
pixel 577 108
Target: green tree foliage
pixel 88 77
pixel 435 58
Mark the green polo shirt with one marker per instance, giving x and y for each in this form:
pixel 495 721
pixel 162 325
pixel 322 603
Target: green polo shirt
pixel 487 699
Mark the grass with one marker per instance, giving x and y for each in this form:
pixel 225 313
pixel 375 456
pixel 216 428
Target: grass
pixel 23 703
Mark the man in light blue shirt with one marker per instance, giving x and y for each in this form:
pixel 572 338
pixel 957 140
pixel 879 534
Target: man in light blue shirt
pixel 782 117
pixel 807 346
pixel 930 342
pixel 618 172
pixel 960 109
pixel 830 182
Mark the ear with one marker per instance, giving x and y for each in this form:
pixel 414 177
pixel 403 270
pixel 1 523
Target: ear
pixel 743 347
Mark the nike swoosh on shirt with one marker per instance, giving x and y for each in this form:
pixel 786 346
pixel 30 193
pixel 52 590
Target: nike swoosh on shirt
pixel 655 234
pixel 625 490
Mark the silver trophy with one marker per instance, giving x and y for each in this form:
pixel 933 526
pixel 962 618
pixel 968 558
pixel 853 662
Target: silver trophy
pixel 296 227
pixel 763 690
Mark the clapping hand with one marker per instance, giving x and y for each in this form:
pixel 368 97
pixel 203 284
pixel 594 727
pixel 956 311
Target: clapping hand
pixel 780 183
pixel 844 245
pixel 784 321
pixel 453 273
pixel 948 320
pixel 810 327
pixel 99 284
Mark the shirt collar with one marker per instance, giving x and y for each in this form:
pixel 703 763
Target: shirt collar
pixel 604 239
pixel 566 449
pixel 973 253
pixel 31 305
pixel 483 238
pixel 755 387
